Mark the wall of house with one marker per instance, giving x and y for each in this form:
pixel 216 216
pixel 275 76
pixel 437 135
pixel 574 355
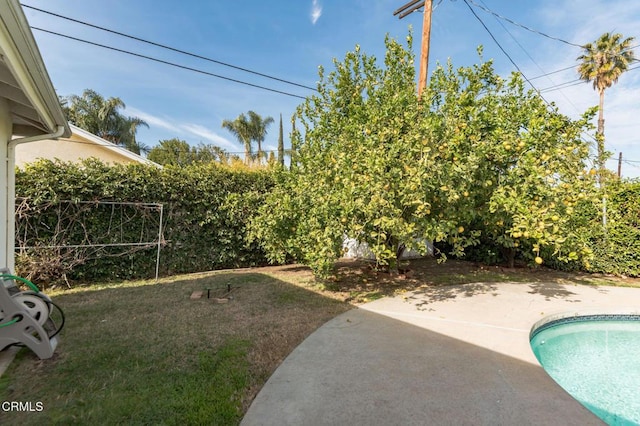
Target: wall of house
pixel 70 149
pixel 6 207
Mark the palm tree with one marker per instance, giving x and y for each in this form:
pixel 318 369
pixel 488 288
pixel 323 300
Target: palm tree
pixel 259 127
pixel 602 63
pixel 128 127
pixel 242 130
pixel 102 117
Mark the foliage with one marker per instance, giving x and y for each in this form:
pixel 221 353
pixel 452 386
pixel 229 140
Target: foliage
pixel 281 144
pixel 249 130
pixel 477 156
pixel 602 63
pixel 177 152
pixel 241 129
pixel 616 248
pixel 519 165
pixel 206 209
pixel 259 128
pixel 102 117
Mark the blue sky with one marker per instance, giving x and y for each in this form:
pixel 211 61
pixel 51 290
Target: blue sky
pixel 290 39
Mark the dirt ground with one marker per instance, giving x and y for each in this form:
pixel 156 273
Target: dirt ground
pixel 357 281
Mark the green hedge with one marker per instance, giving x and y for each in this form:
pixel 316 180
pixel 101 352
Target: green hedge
pixel 206 211
pixel 616 250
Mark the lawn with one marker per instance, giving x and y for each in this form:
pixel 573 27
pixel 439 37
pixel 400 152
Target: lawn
pixel 145 353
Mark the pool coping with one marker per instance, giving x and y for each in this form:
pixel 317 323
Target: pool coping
pixel 607 314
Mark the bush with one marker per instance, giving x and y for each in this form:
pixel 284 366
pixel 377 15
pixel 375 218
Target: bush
pixel 206 210
pixel 616 250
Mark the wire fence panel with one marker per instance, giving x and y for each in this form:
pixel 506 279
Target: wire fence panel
pixel 54 237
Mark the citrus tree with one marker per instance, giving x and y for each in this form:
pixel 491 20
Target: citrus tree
pixel 476 157
pixel 519 164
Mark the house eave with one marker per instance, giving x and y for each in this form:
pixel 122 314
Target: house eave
pixel 33 101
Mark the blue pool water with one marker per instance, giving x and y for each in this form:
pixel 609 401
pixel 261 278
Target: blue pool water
pixel 596 359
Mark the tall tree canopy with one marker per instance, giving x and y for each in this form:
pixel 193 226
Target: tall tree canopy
pixel 280 144
pixel 476 157
pixel 602 63
pixel 242 130
pixel 249 130
pixel 178 152
pixel 102 117
pixel 259 127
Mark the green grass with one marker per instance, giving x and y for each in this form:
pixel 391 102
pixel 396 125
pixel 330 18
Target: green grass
pixel 144 353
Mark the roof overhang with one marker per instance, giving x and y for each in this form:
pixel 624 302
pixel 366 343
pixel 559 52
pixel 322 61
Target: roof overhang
pixel 24 81
pixel 118 150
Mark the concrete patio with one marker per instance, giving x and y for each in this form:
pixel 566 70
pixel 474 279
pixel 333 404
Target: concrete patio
pixel 445 355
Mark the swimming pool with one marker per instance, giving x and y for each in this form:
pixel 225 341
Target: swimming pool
pixel 596 359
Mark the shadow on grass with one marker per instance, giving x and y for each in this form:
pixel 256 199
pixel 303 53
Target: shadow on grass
pixel 148 354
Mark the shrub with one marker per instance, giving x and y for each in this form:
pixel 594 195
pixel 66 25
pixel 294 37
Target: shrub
pixel 616 249
pixel 206 209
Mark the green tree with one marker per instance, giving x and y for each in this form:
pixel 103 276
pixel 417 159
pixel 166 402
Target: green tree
pixel 281 144
pixel 243 131
pixel 179 153
pixel 602 63
pixel 360 170
pixel 102 117
pixel 516 165
pixel 128 130
pixel 207 152
pixel 468 160
pixel 259 128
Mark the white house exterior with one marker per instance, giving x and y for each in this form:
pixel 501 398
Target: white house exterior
pixel 78 146
pixel 29 110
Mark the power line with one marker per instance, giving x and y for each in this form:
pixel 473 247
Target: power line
pixel 553 72
pixel 194 55
pixel 575 82
pixel 575 66
pixel 501 48
pixel 169 63
pixel 522 26
pixel 531 58
pixel 561 86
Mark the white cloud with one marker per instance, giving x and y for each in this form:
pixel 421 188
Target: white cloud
pixel 316 11
pixel 210 135
pixel 151 120
pixel 179 129
pixel 582 21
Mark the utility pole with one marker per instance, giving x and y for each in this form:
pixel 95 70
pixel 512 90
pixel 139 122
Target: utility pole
pixel 619 165
pixel 404 11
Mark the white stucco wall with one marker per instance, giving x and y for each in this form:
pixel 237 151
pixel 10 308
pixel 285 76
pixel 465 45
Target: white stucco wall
pixel 71 149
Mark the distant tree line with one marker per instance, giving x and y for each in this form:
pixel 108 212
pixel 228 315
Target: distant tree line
pixel 103 117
